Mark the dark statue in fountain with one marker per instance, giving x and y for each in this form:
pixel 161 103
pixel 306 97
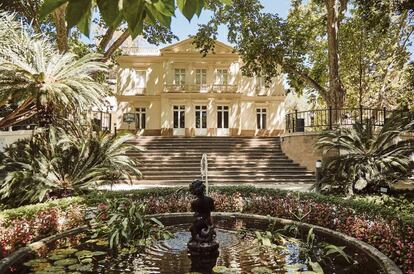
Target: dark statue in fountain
pixel 203 247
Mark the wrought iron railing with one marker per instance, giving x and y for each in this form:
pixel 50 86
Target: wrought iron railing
pixel 100 119
pixel 325 119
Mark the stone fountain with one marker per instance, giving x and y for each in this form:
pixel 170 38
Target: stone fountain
pixel 202 247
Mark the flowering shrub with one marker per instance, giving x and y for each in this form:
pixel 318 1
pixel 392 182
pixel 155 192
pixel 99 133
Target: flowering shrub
pixel 390 231
pixel 20 229
pixel 381 227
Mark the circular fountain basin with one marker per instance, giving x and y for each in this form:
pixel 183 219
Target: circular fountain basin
pixel 239 251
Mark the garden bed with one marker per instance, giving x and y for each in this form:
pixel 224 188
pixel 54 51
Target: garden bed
pixel 381 227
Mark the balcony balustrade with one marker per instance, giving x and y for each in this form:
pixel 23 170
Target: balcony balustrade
pixel 135 92
pixel 200 88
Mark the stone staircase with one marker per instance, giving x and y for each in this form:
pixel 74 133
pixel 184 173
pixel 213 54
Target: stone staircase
pixel 231 160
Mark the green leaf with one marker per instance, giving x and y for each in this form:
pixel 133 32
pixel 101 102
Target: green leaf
pixel 165 7
pixel 110 11
pixel 189 7
pixel 157 222
pixel 316 267
pixel 85 23
pixel 77 11
pixel 49 6
pixel 134 11
pixel 155 16
pixel 227 2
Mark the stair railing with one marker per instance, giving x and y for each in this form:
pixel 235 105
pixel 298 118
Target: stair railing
pixel 204 170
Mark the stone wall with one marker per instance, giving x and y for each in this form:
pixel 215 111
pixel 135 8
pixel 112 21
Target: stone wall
pixel 300 147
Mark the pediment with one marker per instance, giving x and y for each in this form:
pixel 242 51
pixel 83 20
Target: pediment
pixel 187 46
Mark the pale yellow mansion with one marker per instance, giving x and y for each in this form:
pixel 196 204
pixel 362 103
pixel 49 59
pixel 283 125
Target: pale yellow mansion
pixel 177 92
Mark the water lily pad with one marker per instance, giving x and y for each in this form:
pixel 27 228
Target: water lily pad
pixel 66 262
pixel 81 267
pixel 52 270
pixel 40 266
pixel 261 270
pixel 56 257
pixel 35 262
pixel 83 254
pixel 102 242
pixel 86 261
pixel 66 251
pixel 98 253
pixel 220 269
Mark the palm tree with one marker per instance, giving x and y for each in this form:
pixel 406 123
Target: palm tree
pixel 62 161
pixel 36 79
pixel 367 158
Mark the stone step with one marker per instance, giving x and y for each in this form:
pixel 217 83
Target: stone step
pixel 225 181
pixel 210 148
pixel 218 177
pixel 212 157
pixel 200 154
pixel 239 168
pixel 235 164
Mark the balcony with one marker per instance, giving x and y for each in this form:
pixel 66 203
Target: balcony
pixel 224 88
pixel 200 88
pixel 135 92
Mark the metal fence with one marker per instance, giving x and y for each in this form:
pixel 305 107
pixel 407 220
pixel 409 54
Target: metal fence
pixel 100 120
pixel 325 119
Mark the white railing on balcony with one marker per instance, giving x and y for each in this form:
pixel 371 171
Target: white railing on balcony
pixel 224 88
pixel 135 92
pixel 140 51
pixel 171 88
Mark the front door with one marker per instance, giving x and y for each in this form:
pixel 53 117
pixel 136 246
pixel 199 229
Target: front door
pixel 201 120
pixel 179 120
pixel 222 121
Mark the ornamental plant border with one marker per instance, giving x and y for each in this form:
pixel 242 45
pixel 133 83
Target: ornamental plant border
pixel 378 226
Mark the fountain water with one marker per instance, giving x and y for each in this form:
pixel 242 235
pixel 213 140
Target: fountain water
pixel 204 170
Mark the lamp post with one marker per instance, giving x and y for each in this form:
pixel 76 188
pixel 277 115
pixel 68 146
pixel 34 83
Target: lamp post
pixel 318 175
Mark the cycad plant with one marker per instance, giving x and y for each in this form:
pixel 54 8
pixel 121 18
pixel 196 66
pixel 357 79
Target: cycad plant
pixel 60 161
pixel 367 158
pixel 36 79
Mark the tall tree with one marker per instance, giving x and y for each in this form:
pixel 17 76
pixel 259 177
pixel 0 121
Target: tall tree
pixel 337 93
pixel 36 79
pixel 310 43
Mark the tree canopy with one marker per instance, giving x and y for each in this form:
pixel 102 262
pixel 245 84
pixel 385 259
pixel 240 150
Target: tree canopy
pixel 370 55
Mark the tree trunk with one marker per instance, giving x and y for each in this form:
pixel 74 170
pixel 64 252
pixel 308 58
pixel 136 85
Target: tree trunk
pixel 118 42
pixel 337 93
pixel 61 28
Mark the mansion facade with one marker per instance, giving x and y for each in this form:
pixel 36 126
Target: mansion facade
pixel 177 92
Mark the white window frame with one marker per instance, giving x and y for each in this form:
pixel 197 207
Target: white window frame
pixel 180 119
pixel 222 77
pixel 141 116
pixel 261 118
pixel 201 77
pixel 179 76
pixel 223 109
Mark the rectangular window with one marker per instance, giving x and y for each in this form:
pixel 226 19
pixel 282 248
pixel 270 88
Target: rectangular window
pixel 179 76
pixel 179 116
pixel 222 76
pixel 140 118
pixel 201 117
pixel 201 76
pixel 261 118
pixel 222 117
